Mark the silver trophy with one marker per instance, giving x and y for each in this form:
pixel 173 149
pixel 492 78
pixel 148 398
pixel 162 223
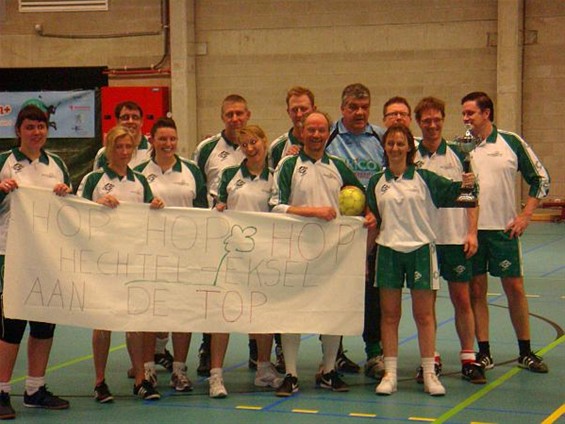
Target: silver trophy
pixel 466 144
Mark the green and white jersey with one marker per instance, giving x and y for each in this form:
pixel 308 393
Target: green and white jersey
pixel 406 207
pixel 302 181
pixel 447 162
pixel 496 162
pixel 181 185
pixel 140 155
pixel 242 191
pixel 132 188
pixel 213 155
pixel 46 171
pixel 279 147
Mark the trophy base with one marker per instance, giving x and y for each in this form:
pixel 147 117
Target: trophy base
pixel 466 201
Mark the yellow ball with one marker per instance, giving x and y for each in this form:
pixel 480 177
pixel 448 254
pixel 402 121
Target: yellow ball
pixel 351 201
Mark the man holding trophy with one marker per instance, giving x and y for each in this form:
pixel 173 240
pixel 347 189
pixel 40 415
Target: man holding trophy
pixel 457 229
pixel 496 160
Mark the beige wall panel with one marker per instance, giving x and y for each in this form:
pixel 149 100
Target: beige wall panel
pixel 544 87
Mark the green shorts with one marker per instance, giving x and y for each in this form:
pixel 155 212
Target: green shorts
pixel 498 254
pixel 417 268
pixel 453 265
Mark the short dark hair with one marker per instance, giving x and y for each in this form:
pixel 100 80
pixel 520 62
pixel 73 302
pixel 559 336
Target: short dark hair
pixel 163 122
pixel 233 98
pixel 128 104
pixel 33 113
pixel 397 99
pixel 482 100
pixel 429 103
pixel 399 128
pixel 357 91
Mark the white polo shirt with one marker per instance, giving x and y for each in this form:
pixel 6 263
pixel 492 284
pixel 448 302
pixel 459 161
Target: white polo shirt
pixel 452 224
pixel 406 207
pixel 302 181
pixel 181 185
pixel 131 188
pixel 496 162
pixel 242 191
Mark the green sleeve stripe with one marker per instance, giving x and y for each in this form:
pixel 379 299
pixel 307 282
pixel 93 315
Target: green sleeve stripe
pixel 147 193
pixel 371 197
pixel 201 200
pixel 204 153
pixel 444 191
pixel 63 167
pixel 90 184
pixel 225 178
pixel 284 182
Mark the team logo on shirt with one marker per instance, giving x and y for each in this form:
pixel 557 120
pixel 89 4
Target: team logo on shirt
pixel 495 154
pixel 151 177
pixel 419 164
pixel 417 276
pixel 108 187
pixel 239 183
pixel 459 269
pixel 17 167
pixel 302 170
pixel 223 154
pixel 384 188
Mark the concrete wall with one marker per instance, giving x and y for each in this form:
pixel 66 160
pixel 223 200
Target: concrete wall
pixel 260 48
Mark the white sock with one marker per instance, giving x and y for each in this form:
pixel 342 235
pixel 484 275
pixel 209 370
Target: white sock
pixel 330 346
pixel 150 366
pixel 391 365
pixel 261 365
pixel 290 345
pixel 178 367
pixel 219 372
pixel 5 387
pixel 428 365
pixel 33 384
pixel 161 344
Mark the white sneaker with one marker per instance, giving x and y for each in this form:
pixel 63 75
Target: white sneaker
pixel 387 386
pixel 268 377
pixel 217 388
pixel 151 376
pixel 432 385
pixel 180 382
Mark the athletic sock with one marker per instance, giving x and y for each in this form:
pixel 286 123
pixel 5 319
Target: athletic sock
pixel 161 344
pixel 484 347
pixel 524 346
pixel 467 356
pixel 5 387
pixel 33 384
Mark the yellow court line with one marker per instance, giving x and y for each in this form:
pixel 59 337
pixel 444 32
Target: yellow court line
pixel 249 407
pixel 558 413
pixel 533 295
pixel 491 386
pixel 69 363
pixel 361 415
pixel 305 411
pixel 430 420
pixel 494 294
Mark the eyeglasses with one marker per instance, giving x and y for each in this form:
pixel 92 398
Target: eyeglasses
pixel 399 114
pixel 125 118
pixel 430 121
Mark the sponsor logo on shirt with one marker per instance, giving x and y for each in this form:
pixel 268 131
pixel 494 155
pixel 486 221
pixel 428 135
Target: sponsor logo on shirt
pixel 17 167
pixel 384 188
pixel 495 154
pixel 239 183
pixel 151 177
pixel 223 155
pixel 302 170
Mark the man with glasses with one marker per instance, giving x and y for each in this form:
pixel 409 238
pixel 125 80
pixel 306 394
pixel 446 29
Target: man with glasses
pixel 396 110
pixel 359 143
pixel 456 232
pixel 130 115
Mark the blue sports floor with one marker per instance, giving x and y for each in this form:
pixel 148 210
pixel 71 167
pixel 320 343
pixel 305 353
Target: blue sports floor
pixel 511 395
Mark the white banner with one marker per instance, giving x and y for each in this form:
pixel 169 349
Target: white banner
pixel 74 262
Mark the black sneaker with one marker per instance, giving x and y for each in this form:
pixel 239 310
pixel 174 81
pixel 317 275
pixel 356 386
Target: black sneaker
pixel 6 410
pixel 102 393
pixel 332 382
pixel 280 364
pixel 473 372
pixel 485 360
pixel 203 369
pixel 288 387
pixel 146 391
pixel 345 365
pixel 165 360
pixel 533 363
pixel 44 399
pixel 420 373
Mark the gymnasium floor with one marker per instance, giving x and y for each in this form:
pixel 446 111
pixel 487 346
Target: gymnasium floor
pixel 511 395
